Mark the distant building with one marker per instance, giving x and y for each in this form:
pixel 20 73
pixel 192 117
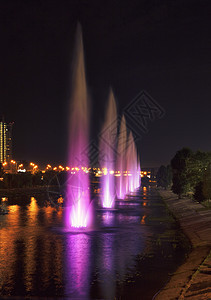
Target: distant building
pixel 5 141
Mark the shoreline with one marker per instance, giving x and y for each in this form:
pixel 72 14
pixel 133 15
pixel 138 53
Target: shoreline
pixel 193 278
pixel 21 191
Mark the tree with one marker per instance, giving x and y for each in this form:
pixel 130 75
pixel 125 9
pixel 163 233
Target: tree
pixel 164 176
pixel 161 177
pixel 169 175
pixel 179 185
pixel 180 175
pixel 198 194
pixel 206 188
pixel 196 166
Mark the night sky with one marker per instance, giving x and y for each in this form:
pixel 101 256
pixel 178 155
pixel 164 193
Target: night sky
pixel 161 47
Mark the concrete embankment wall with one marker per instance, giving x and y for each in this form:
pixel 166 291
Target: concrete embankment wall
pixel 192 280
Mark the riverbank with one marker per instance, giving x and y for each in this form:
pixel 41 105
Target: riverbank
pixel 192 280
pixel 20 191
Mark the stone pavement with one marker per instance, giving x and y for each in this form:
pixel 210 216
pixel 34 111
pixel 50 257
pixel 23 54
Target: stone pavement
pixel 192 280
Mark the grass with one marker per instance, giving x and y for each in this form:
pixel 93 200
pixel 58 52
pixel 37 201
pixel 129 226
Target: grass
pixel 206 203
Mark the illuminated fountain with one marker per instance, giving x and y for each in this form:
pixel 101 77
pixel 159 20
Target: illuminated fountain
pixel 107 153
pixel 138 170
pixel 121 160
pixel 128 163
pixel 133 165
pixel 77 193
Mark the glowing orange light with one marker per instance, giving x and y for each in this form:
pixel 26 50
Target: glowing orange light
pixel 3 199
pixel 143 219
pixel 60 200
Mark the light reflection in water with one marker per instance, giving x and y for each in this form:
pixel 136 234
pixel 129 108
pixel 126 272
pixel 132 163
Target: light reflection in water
pixel 125 219
pixel 8 236
pixel 27 255
pixel 32 211
pixel 108 218
pixel 30 262
pixel 108 275
pixel 143 220
pixel 77 265
pixel 37 260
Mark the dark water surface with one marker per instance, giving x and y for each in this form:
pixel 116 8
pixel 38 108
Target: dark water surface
pixel 129 254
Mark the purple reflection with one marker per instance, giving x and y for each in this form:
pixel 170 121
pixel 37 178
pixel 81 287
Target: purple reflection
pixel 108 218
pixel 123 219
pixel 108 276
pixel 77 266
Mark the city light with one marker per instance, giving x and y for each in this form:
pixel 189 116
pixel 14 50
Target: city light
pixel 97 172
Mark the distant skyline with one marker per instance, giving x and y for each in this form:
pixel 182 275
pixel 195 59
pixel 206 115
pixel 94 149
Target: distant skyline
pixel 159 47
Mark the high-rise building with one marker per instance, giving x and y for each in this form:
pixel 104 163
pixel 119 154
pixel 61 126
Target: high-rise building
pixel 5 141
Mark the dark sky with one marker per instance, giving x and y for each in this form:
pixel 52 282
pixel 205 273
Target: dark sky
pixel 162 47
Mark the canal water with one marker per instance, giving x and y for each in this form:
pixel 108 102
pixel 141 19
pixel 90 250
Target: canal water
pixel 129 254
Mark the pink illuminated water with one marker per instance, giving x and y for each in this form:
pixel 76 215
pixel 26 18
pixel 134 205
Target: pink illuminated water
pixel 133 165
pixel 77 194
pixel 121 166
pixel 107 153
pixel 128 163
pixel 138 177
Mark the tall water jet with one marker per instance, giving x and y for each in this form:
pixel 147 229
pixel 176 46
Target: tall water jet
pixel 131 160
pixel 136 168
pixel 133 165
pixel 77 194
pixel 121 160
pixel 138 177
pixel 107 148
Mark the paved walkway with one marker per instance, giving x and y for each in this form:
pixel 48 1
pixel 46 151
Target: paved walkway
pixel 192 280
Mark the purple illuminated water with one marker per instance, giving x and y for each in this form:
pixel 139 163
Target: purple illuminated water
pixel 77 194
pixel 138 177
pixel 133 165
pixel 121 161
pixel 41 259
pixel 128 163
pixel 107 153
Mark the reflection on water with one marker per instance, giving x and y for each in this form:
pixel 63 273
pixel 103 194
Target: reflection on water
pixel 143 219
pixel 38 258
pixel 108 218
pixel 107 270
pixel 77 266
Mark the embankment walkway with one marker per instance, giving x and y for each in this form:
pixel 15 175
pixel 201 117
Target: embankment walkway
pixel 192 280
